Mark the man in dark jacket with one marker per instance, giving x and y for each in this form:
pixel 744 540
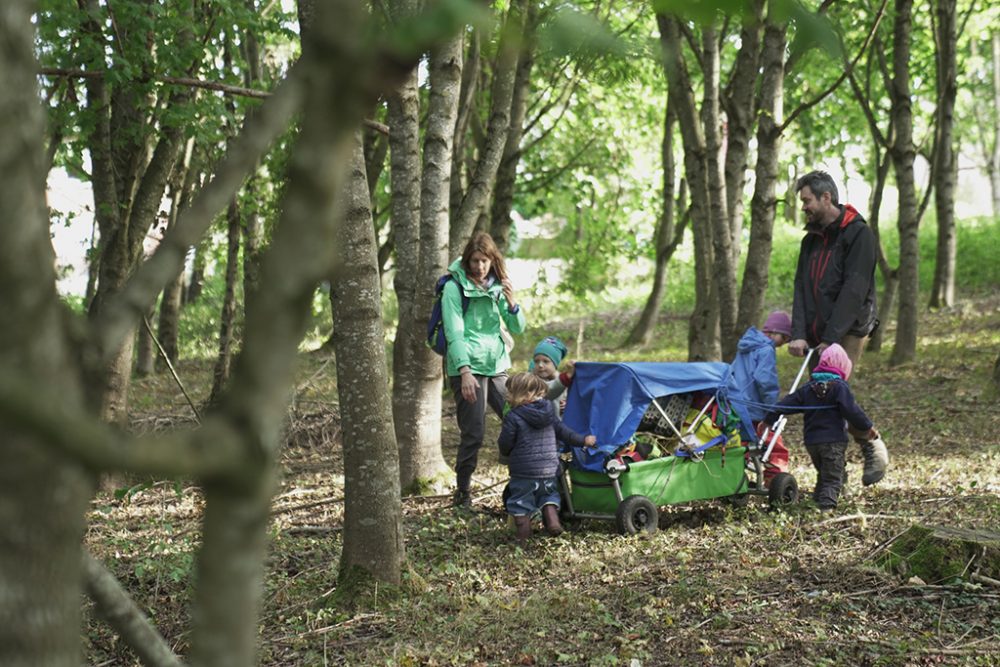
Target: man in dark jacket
pixel 835 287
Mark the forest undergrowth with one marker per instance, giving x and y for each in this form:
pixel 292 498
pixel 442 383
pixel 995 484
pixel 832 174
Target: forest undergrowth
pixel 716 585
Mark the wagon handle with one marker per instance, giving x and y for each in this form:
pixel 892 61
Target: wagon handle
pixel 779 425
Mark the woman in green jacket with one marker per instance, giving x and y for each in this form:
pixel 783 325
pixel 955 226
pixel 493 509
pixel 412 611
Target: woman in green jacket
pixel 477 357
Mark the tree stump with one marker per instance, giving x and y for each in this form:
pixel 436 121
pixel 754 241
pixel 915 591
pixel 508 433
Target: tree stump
pixel 941 553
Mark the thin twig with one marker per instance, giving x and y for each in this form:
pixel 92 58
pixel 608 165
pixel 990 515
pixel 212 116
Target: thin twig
pixel 166 359
pixel 859 516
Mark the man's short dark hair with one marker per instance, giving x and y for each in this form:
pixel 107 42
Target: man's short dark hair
pixel 819 182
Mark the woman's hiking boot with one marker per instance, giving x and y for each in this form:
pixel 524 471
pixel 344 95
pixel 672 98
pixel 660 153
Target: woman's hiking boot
pixel 522 528
pixel 550 517
pixel 876 460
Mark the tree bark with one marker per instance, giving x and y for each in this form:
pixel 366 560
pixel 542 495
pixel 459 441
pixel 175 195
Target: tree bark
pixel 739 103
pixel 128 179
pixel 763 205
pixel 227 318
pixel 503 199
pixel 993 159
pixel 946 169
pixel 667 239
pixel 44 494
pixel 145 354
pixel 170 303
pixel 417 394
pixel 703 331
pixel 724 267
pixel 477 197
pixel 903 154
pixel 373 531
pixel 471 72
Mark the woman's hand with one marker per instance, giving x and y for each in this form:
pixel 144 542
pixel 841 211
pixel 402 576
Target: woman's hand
pixel 469 386
pixel 508 292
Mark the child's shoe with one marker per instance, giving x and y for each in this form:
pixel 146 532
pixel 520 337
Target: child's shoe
pixel 522 528
pixel 876 460
pixel 550 517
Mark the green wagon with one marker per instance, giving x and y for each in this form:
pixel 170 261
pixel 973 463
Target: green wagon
pixel 613 401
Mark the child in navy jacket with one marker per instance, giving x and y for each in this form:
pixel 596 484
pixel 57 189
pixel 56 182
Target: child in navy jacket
pixel 828 406
pixel 530 437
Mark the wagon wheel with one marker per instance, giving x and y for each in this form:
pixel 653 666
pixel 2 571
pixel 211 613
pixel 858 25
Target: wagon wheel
pixel 782 491
pixel 636 514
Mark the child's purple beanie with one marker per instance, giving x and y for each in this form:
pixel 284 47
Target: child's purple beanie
pixel 835 359
pixel 778 322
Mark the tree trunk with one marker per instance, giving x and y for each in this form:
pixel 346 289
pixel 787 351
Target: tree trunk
pixel 44 495
pixel 170 303
pixel 227 318
pixel 903 153
pixel 128 178
pixel 993 164
pixel 503 199
pixel 471 70
pixel 373 531
pixel 724 267
pixel 946 170
pixel 477 197
pixel 703 331
pixel 763 206
pixel 740 106
pixel 145 354
pixel 417 391
pixel 667 239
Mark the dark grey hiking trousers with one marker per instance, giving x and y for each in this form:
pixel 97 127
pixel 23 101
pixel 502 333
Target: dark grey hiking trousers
pixel 472 421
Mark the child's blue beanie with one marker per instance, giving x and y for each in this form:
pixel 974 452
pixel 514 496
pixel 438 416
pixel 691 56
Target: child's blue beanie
pixel 552 348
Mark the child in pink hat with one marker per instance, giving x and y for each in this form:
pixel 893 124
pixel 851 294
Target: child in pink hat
pixel 828 406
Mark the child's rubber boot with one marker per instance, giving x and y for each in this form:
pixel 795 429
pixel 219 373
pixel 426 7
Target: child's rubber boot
pixel 876 460
pixel 522 528
pixel 550 517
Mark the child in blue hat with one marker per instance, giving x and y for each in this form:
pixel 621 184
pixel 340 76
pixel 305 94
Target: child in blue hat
pixel 548 354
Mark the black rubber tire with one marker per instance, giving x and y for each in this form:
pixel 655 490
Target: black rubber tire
pixel 636 514
pixel 782 491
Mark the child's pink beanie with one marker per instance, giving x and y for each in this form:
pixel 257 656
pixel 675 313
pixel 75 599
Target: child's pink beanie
pixel 778 322
pixel 835 360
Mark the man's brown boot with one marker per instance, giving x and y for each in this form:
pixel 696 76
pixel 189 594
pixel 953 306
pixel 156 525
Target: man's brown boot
pixel 550 517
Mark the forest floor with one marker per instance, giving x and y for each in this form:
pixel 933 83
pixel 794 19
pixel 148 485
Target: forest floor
pixel 716 585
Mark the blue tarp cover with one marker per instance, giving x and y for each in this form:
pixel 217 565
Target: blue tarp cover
pixel 609 399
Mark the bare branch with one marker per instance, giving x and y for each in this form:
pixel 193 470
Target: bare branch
pixel 122 614
pixel 840 79
pixel 212 450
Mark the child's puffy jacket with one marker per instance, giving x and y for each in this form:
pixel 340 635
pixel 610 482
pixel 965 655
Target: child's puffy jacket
pixel 474 338
pixel 530 436
pixel 755 371
pixel 826 425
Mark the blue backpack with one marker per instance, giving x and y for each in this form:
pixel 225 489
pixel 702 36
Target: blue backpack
pixel 435 325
